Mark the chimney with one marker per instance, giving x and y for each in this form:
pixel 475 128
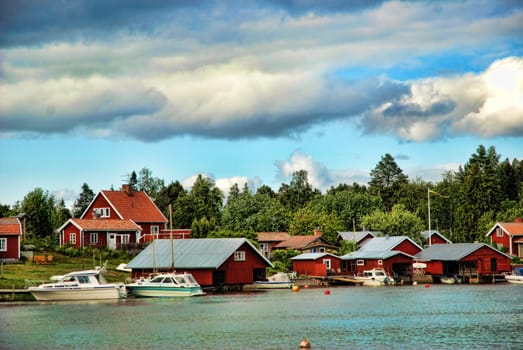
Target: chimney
pixel 317 233
pixel 127 189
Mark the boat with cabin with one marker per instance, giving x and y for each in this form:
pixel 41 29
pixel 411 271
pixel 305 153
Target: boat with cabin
pixel 280 280
pixel 374 277
pixel 79 285
pixel 166 285
pixel 516 276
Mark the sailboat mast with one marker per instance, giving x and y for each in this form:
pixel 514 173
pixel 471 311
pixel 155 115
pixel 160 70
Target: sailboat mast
pixel 171 235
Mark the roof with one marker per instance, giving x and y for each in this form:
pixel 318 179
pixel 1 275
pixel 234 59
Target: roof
pixel 10 226
pixel 302 242
pixel 102 225
pixel 137 206
pixel 273 236
pixel 373 255
pixel 379 244
pixel 313 256
pixel 356 236
pixel 452 252
pixel 510 228
pixel 191 253
pixel 426 235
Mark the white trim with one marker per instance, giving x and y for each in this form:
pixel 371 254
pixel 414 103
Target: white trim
pixel 4 249
pixel 360 262
pixel 239 255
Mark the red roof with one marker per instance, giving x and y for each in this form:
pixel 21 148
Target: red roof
pixel 10 226
pixel 302 242
pixel 513 228
pixel 137 206
pixel 105 225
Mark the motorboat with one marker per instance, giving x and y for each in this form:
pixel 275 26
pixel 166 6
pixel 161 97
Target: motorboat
pixel 166 285
pixel 374 277
pixel 79 285
pixel 516 276
pixel 450 279
pixel 280 280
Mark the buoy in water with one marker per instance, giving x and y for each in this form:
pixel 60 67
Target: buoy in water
pixel 295 288
pixel 414 283
pixel 427 286
pixel 305 344
pixel 327 292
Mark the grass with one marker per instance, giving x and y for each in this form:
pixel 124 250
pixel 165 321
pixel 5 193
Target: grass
pixel 17 274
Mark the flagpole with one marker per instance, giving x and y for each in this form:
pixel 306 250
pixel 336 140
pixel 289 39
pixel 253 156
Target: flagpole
pixel 428 200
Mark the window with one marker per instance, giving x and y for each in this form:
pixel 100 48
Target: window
pixel 360 262
pixel 239 255
pixel 264 247
pixel 322 250
pixel 94 238
pixel 155 229
pixel 3 244
pixel 499 232
pixel 72 238
pixel 380 262
pixel 106 212
pixel 327 263
pixel 125 239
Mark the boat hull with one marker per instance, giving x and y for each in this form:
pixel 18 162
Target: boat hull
pixel 144 291
pixel 273 285
pixel 514 279
pixel 58 294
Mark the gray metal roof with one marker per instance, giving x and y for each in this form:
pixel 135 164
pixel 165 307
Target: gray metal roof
pixel 426 235
pixel 451 252
pixel 385 254
pixel 379 244
pixel 312 256
pixel 190 253
pixel 356 236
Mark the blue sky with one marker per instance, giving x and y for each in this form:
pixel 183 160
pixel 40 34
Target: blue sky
pixel 252 91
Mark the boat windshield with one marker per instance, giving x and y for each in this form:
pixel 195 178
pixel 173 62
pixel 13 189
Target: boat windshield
pixel 380 273
pixel 168 280
pixel 180 280
pixel 191 278
pixel 83 279
pixel 158 279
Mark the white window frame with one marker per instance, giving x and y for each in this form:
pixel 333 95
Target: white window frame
pixel 239 255
pixel 380 262
pixel 327 263
pixel 125 239
pixel 155 229
pixel 3 244
pixel 264 247
pixel 94 238
pixel 499 232
pixel 360 262
pixel 105 212
pixel 72 238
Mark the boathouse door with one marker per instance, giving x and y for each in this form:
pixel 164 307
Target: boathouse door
pixel 111 241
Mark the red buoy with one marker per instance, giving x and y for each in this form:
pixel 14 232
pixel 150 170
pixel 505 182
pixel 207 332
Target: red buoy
pixel 427 286
pixel 327 292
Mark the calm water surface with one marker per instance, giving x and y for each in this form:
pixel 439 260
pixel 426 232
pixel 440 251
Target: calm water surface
pixel 409 317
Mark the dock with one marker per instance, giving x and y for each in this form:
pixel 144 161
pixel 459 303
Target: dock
pixel 15 295
pixel 345 280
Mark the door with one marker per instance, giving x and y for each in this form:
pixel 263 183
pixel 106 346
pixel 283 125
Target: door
pixel 111 241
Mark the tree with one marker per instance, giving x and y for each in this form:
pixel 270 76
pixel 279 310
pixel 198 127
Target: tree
pixel 298 193
pixel 397 222
pixel 206 199
pixel 168 196
pixel 83 201
pixel 39 205
pixel 151 185
pixel 133 181
pixel 386 180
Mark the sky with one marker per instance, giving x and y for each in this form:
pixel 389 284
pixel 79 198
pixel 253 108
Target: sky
pixel 252 91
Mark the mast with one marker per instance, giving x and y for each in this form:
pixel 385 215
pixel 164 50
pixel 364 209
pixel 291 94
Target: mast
pixel 171 235
pixel 428 200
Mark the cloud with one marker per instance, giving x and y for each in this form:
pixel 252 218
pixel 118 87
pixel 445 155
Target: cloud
pixel 486 104
pixel 155 70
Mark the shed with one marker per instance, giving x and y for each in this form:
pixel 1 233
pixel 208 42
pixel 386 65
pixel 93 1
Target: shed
pixel 400 243
pixel 394 262
pixel 316 264
pixel 434 237
pixel 212 261
pixel 359 237
pixel 10 235
pixel 509 236
pixel 464 259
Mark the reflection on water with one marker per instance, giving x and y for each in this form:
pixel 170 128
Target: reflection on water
pixel 409 317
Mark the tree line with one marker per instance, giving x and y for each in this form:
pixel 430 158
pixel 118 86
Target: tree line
pixel 464 205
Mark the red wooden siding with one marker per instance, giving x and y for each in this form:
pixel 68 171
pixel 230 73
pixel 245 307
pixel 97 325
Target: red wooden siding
pixel 407 247
pixel 435 239
pixel 241 272
pixel 13 247
pixel 315 267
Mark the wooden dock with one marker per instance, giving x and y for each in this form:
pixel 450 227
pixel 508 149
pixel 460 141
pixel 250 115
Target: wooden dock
pixel 345 280
pixel 15 295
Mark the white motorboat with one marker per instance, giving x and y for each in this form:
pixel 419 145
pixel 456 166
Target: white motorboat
pixel 516 276
pixel 374 277
pixel 450 279
pixel 166 285
pixel 280 280
pixel 79 285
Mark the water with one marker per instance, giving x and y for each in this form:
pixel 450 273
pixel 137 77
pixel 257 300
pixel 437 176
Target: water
pixel 409 317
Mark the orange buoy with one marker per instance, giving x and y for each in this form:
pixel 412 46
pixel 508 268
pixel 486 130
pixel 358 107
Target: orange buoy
pixel 295 288
pixel 327 292
pixel 427 286
pixel 306 286
pixel 305 344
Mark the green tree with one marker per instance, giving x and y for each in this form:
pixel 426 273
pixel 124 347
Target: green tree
pixel 168 196
pixel 133 181
pixel 83 201
pixel 386 180
pixel 397 222
pixel 298 193
pixel 39 205
pixel 206 200
pixel 151 185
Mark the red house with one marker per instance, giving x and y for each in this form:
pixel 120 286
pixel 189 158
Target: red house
pixel 468 260
pixel 359 237
pixel 116 219
pixel 434 237
pixel 316 264
pixel 212 261
pixel 396 263
pixel 110 233
pixel 509 236
pixel 10 234
pixel 399 243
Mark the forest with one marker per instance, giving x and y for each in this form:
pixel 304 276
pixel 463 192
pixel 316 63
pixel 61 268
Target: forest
pixel 464 205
